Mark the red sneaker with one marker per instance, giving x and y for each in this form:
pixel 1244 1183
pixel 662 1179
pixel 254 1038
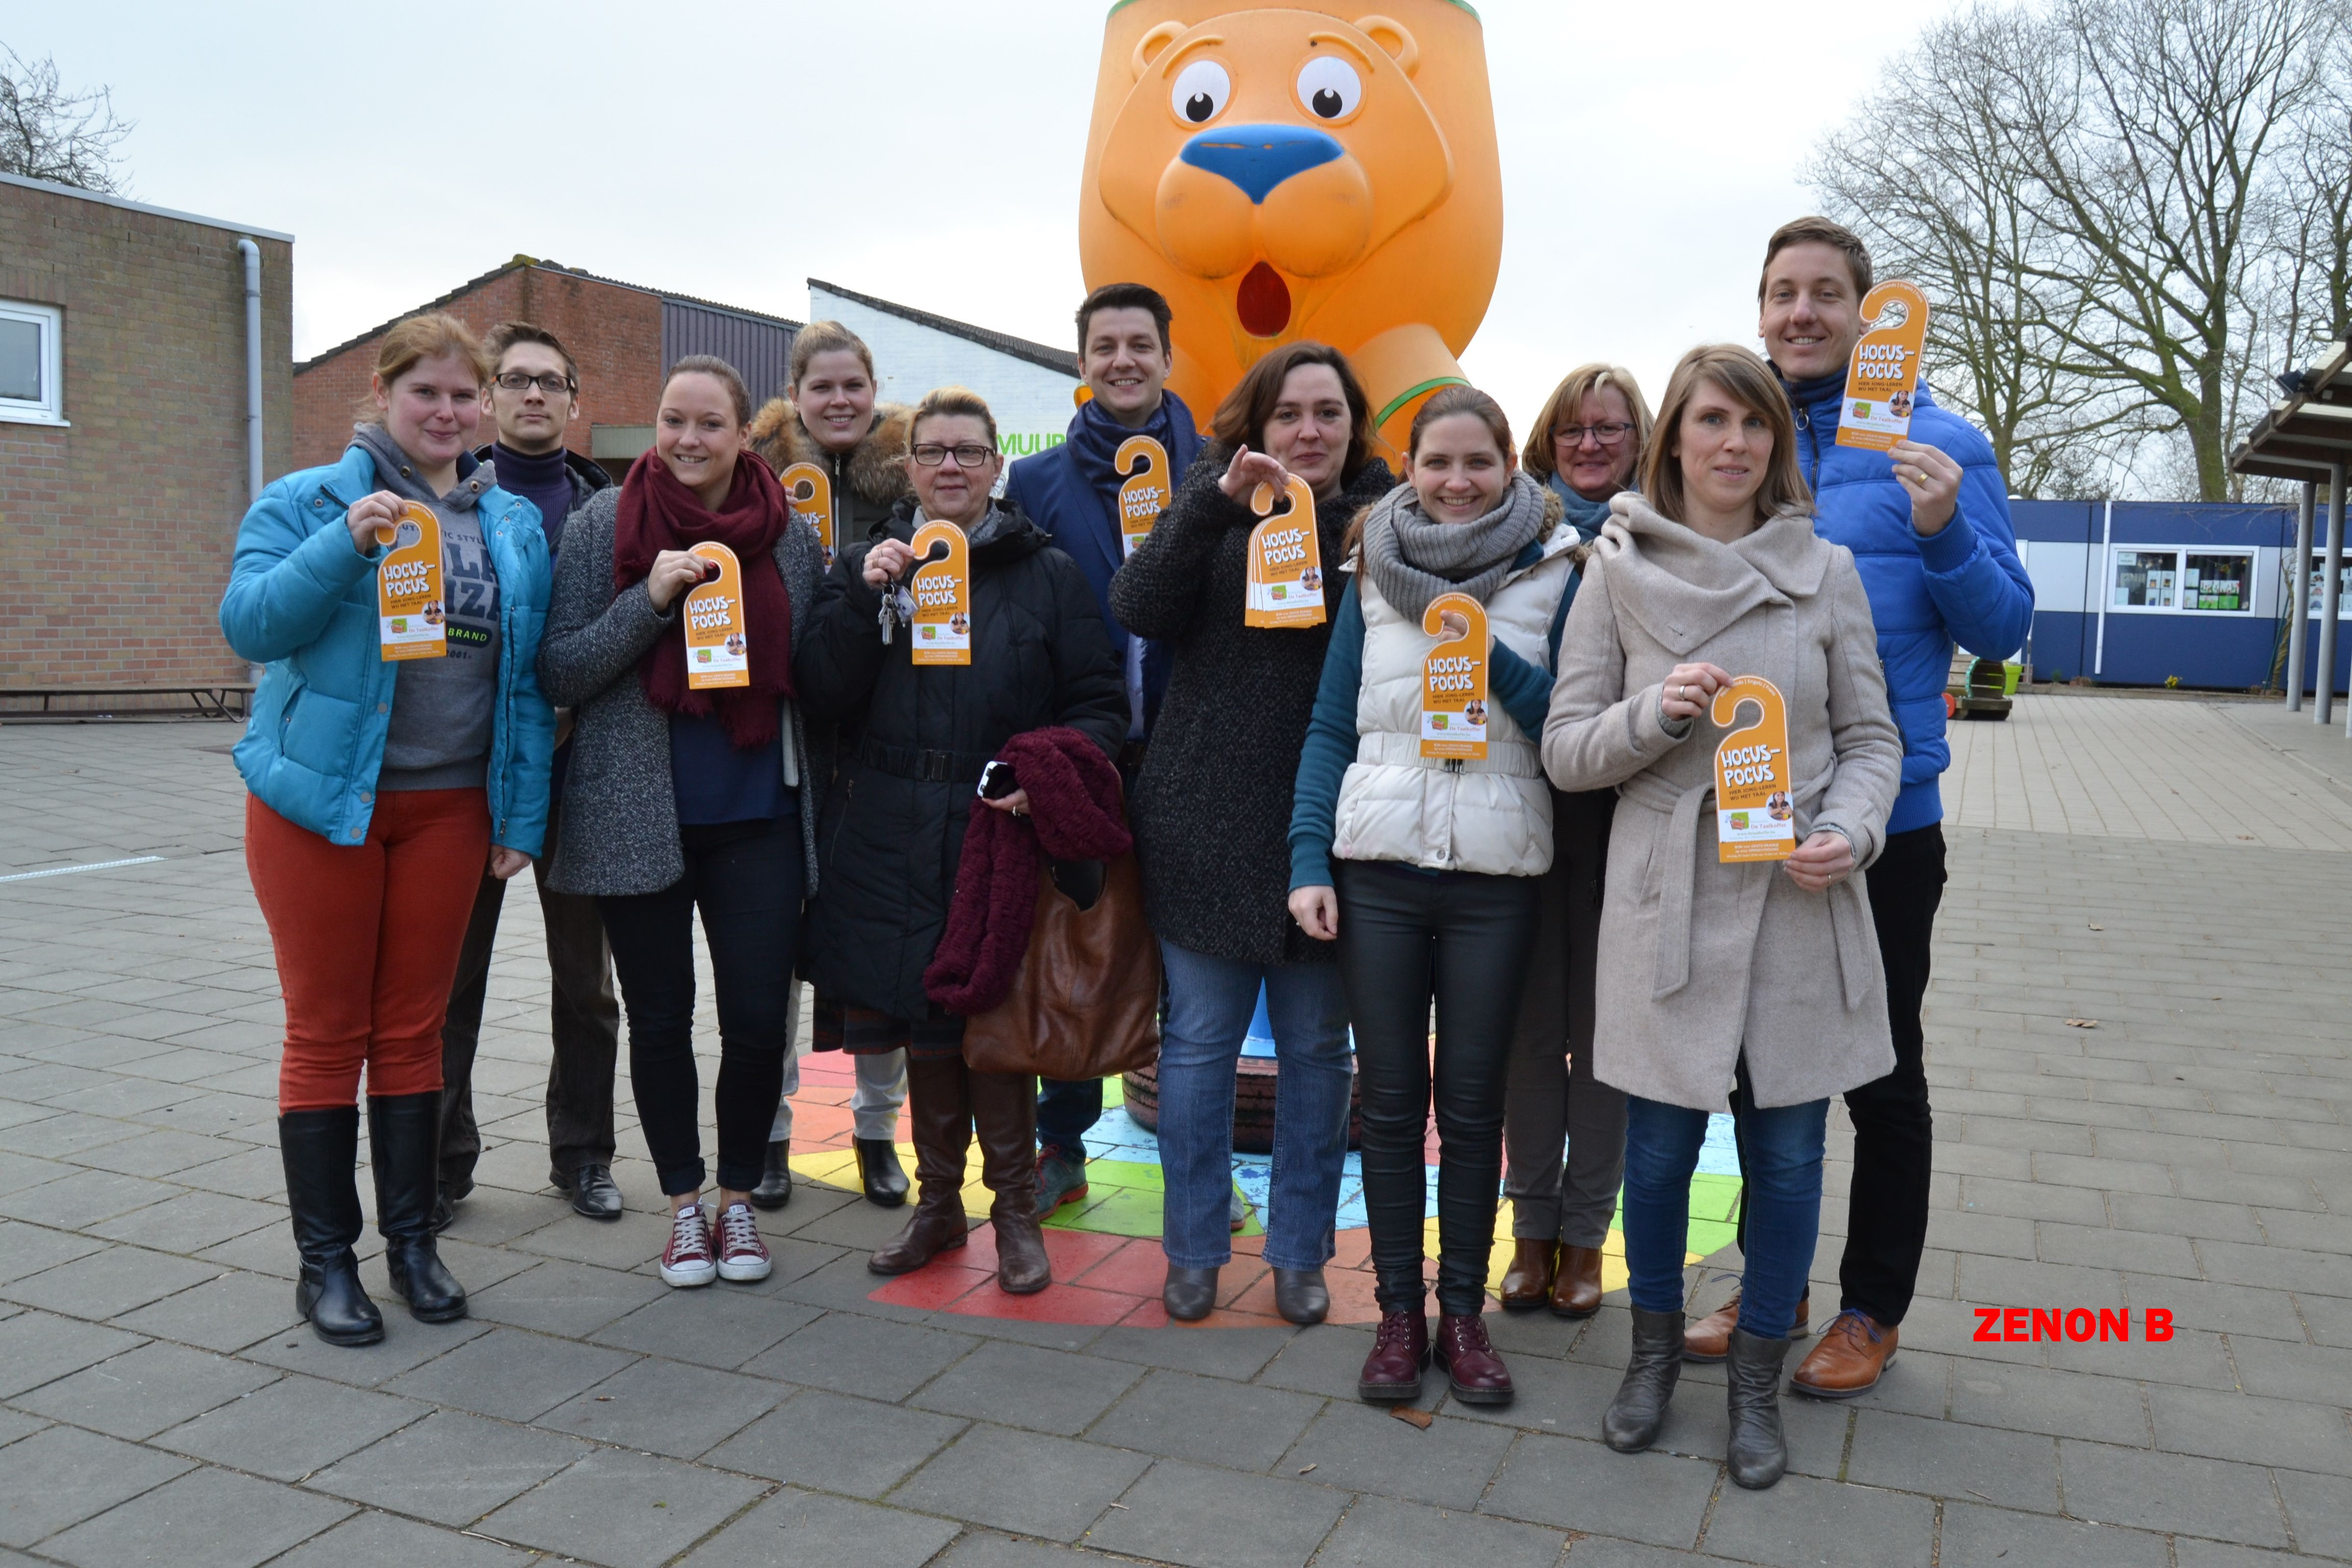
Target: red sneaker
pixel 742 1256
pixel 686 1260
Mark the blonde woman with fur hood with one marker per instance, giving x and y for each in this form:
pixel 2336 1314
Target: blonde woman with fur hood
pixel 831 420
pixel 1426 871
pixel 1750 980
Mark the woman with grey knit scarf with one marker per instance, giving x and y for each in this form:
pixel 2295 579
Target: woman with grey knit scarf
pixel 1424 869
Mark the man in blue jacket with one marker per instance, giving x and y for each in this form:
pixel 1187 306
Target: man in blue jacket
pixel 1072 491
pixel 1929 525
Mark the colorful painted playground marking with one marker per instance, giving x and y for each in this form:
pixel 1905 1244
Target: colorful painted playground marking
pixel 1108 1266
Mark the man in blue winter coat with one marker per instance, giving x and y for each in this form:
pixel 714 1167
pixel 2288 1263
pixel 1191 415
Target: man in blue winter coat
pixel 1929 525
pixel 1072 491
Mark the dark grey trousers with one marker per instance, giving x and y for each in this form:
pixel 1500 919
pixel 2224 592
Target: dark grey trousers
pixel 1554 1099
pixel 585 1018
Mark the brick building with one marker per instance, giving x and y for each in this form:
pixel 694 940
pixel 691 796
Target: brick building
pixel 622 336
pixel 123 461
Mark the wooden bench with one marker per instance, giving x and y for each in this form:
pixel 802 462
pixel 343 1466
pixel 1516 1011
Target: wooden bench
pixel 208 700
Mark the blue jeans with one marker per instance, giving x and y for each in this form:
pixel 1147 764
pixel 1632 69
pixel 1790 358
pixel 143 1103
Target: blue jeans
pixel 1781 1151
pixel 1210 1003
pixel 1066 1112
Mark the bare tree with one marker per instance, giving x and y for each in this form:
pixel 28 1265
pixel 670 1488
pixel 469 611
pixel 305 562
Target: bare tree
pixel 2123 209
pixel 48 133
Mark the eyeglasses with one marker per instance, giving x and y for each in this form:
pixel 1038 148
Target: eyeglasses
pixel 1610 434
pixel 970 455
pixel 551 383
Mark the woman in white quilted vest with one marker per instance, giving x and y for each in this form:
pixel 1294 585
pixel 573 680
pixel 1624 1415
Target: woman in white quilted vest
pixel 1756 979
pixel 1426 868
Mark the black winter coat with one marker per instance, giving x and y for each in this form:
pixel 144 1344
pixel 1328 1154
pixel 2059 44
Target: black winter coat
pixel 1211 810
pixel 913 741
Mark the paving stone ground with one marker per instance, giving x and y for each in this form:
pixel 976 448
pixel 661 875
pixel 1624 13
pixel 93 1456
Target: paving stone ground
pixel 2137 1039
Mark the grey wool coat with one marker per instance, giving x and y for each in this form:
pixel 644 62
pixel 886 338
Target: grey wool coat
pixel 1701 961
pixel 620 812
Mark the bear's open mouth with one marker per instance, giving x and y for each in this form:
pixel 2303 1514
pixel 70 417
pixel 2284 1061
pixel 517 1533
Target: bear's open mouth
pixel 1262 302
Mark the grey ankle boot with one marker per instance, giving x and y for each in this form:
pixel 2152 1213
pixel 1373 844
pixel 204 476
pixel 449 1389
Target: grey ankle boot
pixel 1756 1455
pixel 1640 1408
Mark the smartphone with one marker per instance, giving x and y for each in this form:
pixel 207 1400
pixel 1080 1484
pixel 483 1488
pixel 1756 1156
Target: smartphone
pixel 996 780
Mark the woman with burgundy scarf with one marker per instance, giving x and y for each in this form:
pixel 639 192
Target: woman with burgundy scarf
pixel 682 798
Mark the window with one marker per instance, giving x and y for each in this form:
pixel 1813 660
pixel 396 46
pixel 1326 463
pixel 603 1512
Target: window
pixel 30 393
pixel 2315 580
pixel 2183 581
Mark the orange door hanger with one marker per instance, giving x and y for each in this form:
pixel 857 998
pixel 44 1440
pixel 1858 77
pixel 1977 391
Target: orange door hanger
pixel 942 632
pixel 1454 679
pixel 1286 560
pixel 1883 376
pixel 809 490
pixel 1755 811
pixel 1142 464
pixel 717 643
pixel 412 616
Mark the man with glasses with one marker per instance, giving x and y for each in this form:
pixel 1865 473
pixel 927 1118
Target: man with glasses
pixel 1072 491
pixel 533 401
pixel 1929 527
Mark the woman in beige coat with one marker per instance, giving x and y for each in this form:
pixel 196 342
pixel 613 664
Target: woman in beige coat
pixel 1747 979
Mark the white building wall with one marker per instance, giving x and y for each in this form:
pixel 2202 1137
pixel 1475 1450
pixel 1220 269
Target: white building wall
pixel 1032 405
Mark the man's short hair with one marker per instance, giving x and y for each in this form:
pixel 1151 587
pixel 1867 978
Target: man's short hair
pixel 1125 297
pixel 506 335
pixel 1818 230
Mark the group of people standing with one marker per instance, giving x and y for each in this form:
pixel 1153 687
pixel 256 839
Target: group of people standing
pixel 1599 981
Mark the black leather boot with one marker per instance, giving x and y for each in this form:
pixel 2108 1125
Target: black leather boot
pixel 1005 1118
pixel 776 1188
pixel 404 1130
pixel 1756 1455
pixel 320 1152
pixel 1640 1408
pixel 878 1171
pixel 939 1105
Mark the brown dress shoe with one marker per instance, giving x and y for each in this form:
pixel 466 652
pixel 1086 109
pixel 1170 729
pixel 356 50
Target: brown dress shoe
pixel 1391 1373
pixel 1528 1282
pixel 1853 1351
pixel 1476 1373
pixel 1576 1293
pixel 1709 1339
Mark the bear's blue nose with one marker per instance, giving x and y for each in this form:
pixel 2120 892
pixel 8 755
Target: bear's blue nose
pixel 1259 157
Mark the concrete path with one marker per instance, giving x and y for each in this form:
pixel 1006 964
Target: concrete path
pixel 2137 1036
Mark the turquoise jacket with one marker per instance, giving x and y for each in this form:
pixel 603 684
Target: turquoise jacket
pixel 302 599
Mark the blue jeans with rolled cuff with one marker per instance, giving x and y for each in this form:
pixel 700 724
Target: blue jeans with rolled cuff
pixel 1210 1003
pixel 1781 1151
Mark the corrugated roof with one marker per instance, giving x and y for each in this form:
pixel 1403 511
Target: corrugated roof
pixel 1063 360
pixel 519 261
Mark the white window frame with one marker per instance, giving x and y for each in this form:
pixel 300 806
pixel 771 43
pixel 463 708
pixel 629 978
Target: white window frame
pixel 2179 553
pixel 2315 585
pixel 49 409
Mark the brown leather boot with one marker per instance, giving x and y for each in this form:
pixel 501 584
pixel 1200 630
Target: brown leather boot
pixel 939 1105
pixel 1004 1115
pixel 1527 1284
pixel 1855 1351
pixel 1709 1339
pixel 1576 1291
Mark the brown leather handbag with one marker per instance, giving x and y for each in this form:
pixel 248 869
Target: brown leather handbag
pixel 1086 1003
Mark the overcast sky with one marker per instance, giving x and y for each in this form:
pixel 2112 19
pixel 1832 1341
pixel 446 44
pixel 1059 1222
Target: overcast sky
pixel 922 151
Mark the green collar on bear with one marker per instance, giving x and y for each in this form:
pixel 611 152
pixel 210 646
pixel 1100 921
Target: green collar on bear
pixel 1118 6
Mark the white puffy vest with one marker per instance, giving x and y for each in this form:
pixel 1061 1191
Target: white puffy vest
pixel 1491 816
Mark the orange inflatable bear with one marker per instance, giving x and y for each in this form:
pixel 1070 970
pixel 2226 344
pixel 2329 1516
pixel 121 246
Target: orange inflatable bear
pixel 1299 171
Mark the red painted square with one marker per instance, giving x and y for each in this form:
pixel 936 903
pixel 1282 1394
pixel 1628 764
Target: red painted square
pixel 1140 1268
pixel 935 1287
pixel 1053 1304
pixel 1239 1276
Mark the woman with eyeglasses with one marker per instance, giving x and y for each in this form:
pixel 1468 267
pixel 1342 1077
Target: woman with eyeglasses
pixel 684 799
pixel 914 740
pixel 1583 447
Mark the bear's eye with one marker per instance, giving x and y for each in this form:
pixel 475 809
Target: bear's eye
pixel 1201 90
pixel 1329 88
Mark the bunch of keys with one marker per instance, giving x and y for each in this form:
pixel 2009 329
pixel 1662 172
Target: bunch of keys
pixel 897 610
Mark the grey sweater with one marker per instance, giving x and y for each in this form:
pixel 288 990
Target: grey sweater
pixel 619 831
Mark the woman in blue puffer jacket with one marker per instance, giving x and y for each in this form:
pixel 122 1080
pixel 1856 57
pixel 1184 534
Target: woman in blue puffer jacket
pixel 379 788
